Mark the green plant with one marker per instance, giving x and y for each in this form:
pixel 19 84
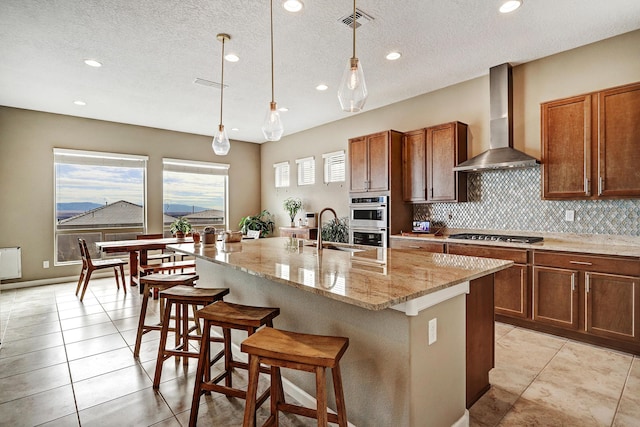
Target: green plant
pixel 292 205
pixel 337 230
pixel 181 225
pixel 262 222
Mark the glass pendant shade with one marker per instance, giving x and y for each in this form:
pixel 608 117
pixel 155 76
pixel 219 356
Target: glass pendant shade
pixel 220 142
pixel 352 92
pixel 272 127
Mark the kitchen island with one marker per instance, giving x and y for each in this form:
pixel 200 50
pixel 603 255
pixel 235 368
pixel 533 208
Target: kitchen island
pixel 383 300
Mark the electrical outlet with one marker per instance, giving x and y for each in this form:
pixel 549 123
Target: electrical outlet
pixel 45 264
pixel 569 215
pixel 433 330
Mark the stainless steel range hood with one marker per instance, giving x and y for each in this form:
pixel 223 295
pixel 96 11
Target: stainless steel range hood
pixel 501 154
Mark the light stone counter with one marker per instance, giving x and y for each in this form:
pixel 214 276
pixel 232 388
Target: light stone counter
pixel 594 244
pixel 374 279
pixel 391 375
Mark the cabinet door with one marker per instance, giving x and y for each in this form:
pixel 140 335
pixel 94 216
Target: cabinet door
pixel 358 176
pixel 378 159
pixel 511 290
pixel 619 143
pixel 555 297
pixel 566 148
pixel 414 172
pixel 612 306
pixel 441 159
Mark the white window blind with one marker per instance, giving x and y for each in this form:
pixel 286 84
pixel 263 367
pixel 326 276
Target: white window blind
pixel 192 166
pixel 306 171
pixel 334 166
pixel 282 174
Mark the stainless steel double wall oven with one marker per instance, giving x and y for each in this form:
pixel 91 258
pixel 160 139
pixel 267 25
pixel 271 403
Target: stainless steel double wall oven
pixel 369 220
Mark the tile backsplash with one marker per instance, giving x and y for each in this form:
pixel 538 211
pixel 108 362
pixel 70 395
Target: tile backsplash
pixel 510 200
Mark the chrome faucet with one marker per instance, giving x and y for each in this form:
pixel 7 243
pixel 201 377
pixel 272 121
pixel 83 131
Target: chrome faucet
pixel 320 225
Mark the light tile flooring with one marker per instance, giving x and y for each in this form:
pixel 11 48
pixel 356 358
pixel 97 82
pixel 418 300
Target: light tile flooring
pixel 66 363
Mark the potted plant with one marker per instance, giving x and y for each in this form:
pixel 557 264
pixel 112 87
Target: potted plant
pixel 180 227
pixel 337 230
pixel 292 205
pixel 262 222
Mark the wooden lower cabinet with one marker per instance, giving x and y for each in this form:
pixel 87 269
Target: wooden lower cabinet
pixel 511 286
pixel 555 297
pixel 612 306
pixel 480 338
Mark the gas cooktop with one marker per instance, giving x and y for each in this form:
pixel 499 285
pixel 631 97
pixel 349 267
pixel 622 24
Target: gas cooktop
pixel 497 237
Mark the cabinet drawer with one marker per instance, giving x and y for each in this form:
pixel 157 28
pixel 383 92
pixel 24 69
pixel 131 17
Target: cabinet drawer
pixel 597 263
pixel 417 244
pixel 516 255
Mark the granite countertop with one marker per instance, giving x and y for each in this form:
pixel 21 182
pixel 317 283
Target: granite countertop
pixel 374 279
pixel 594 244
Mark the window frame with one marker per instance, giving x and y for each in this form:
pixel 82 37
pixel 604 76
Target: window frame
pixel 279 169
pixel 327 159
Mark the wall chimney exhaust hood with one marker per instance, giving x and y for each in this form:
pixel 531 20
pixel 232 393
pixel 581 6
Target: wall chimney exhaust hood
pixel 501 154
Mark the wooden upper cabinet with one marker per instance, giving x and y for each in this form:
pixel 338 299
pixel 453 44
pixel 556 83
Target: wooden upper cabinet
pixel 590 145
pixel 619 142
pixel 414 167
pixel 371 158
pixel 428 158
pixel 446 147
pixel 566 148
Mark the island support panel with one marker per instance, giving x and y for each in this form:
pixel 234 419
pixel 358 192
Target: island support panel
pixel 391 376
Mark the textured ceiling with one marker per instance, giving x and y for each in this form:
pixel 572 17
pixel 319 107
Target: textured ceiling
pixel 153 50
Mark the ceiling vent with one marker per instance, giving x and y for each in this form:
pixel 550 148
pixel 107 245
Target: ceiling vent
pixel 361 19
pixel 204 82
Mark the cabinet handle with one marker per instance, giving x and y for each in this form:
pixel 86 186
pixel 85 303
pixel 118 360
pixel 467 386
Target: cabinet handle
pixel 580 262
pixel 415 247
pixel 600 186
pixel 432 192
pixel 587 186
pixel 573 282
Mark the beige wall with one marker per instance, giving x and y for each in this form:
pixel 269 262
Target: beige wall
pixel 608 63
pixel 27 139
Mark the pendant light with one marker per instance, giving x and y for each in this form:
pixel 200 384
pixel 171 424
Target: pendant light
pixel 220 142
pixel 352 92
pixel 272 126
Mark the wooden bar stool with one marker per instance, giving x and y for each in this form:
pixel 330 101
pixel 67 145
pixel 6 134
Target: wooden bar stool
pixel 182 297
pixel 311 353
pixel 228 316
pixel 157 282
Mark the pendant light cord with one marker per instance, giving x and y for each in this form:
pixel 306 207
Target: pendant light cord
pixel 222 81
pixel 272 84
pixel 353 23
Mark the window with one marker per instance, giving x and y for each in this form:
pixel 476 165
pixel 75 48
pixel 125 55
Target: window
pixel 197 191
pixel 98 196
pixel 282 174
pixel 334 164
pixel 306 171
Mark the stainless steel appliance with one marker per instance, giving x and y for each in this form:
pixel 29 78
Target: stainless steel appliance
pixel 497 237
pixel 368 220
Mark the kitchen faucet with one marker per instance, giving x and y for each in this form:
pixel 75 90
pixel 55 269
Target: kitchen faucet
pixel 320 225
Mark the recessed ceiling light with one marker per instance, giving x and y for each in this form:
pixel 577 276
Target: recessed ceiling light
pixel 231 57
pixel 235 129
pixel 510 6
pixel 292 5
pixel 322 87
pixel 283 109
pixel 392 56
pixel 92 63
pixel 79 102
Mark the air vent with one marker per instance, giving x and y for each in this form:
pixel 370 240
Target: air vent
pixel 361 19
pixel 204 82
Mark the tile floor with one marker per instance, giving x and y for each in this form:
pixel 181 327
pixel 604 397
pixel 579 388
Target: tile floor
pixel 66 363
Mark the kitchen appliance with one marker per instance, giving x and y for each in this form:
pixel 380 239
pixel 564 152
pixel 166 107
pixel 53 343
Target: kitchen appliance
pixel 497 237
pixel 311 219
pixel 501 154
pixel 368 220
pixel 368 237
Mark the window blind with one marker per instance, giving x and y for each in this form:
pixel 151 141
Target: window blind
pixel 334 166
pixel 306 171
pixel 282 174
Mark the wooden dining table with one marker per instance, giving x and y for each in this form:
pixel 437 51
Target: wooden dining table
pixel 138 250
